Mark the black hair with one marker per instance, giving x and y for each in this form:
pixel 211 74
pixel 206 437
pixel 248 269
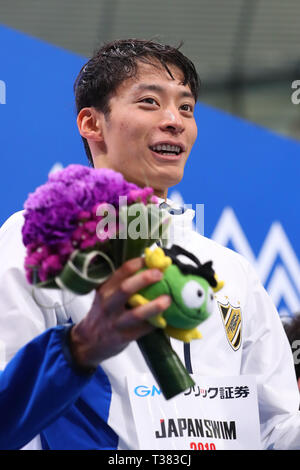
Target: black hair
pixel 203 270
pixel 117 61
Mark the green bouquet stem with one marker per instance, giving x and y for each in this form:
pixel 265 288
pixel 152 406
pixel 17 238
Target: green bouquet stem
pixel 165 365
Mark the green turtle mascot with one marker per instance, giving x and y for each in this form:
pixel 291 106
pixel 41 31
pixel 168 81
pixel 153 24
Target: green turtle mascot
pixel 190 285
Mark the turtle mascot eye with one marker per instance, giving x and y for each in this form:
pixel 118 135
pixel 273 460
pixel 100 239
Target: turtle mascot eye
pixel 190 284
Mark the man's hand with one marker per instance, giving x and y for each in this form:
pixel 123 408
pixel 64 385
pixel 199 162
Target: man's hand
pixel 109 326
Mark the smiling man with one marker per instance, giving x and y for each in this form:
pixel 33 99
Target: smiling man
pixel 71 359
pixel 152 121
pixel 150 116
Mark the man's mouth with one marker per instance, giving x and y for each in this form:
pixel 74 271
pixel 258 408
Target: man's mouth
pixel 167 150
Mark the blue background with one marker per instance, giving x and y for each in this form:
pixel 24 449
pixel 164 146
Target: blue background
pixel 234 163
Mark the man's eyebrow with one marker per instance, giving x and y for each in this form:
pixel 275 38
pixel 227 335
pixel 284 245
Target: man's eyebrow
pixel 159 88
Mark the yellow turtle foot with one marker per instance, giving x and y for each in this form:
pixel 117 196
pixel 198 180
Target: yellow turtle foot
pixel 184 335
pixel 158 321
pixel 136 300
pixel 157 259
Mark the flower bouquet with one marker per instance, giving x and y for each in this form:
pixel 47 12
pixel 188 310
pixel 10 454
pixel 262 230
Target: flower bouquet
pixel 80 226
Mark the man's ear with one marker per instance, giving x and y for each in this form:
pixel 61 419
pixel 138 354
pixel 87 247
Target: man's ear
pixel 90 124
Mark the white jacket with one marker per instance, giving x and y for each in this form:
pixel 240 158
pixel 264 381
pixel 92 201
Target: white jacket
pixel 261 350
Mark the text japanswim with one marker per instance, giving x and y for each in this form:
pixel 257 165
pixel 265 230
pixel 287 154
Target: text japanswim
pixel 189 427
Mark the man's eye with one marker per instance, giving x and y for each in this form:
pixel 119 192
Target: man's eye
pixel 149 101
pixel 187 107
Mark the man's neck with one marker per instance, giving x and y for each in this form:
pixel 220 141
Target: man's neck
pixel 101 162
pixel 161 194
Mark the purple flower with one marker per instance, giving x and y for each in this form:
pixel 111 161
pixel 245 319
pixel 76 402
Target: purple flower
pixel 144 195
pixel 51 266
pixel 88 242
pixel 84 215
pixel 60 216
pixel 46 260
pixel 52 211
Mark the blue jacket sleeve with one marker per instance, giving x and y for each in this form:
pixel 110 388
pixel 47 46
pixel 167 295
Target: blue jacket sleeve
pixel 37 386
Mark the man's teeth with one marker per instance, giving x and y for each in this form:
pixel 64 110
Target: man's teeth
pixel 167 148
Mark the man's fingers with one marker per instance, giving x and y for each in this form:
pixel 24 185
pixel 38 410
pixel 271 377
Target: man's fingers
pixel 127 269
pixel 131 285
pixel 134 317
pixel 140 280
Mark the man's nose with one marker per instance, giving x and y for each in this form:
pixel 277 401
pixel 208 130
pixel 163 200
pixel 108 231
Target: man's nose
pixel 172 121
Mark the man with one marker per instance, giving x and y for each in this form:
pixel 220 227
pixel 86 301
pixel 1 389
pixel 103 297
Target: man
pixel 135 102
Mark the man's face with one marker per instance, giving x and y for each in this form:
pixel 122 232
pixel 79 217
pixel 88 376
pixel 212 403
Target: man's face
pixel 151 128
